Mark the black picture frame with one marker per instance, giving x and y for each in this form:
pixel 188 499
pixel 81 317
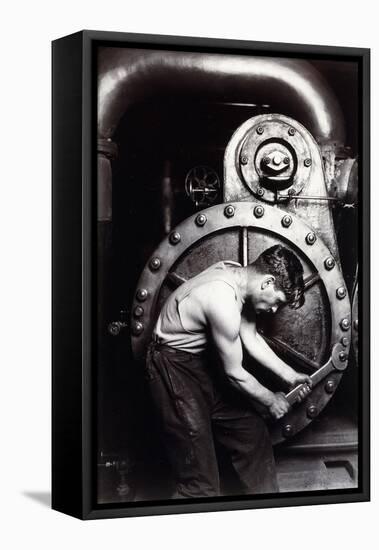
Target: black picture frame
pixel 74 274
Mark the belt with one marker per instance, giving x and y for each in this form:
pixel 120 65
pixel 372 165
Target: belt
pixel 156 345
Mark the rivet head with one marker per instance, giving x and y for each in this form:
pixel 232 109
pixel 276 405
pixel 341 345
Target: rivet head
pixel 344 341
pixel 201 220
pixel 259 211
pixel 175 237
pixel 345 324
pixel 287 430
pixel 329 263
pixel 291 131
pixel 341 292
pixel 307 162
pixel 260 130
pixel 138 311
pixel 155 264
pixel 286 160
pixel 312 411
pixel 244 159
pixel 260 192
pixel 355 325
pixel 142 294
pixel 310 238
pixel 342 356
pixel 229 211
pixel 329 386
pixel 286 221
pixel 137 328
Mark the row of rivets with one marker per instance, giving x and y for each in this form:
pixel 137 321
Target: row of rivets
pixel 329 263
pixel 175 237
pixel 155 264
pixel 138 311
pixel 259 211
pixel 344 341
pixel 330 386
pixel 310 238
pixel 345 324
pixel 312 411
pixel 201 219
pixel 341 292
pixel 286 221
pixel 229 211
pixel 141 294
pixel 287 430
pixel 137 328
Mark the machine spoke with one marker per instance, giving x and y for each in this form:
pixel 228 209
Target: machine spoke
pixel 306 365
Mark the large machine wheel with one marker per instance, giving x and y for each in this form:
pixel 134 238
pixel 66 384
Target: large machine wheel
pixel 313 339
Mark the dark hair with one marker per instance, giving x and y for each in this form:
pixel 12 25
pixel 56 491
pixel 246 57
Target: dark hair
pixel 285 266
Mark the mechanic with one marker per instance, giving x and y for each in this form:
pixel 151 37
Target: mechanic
pixel 201 402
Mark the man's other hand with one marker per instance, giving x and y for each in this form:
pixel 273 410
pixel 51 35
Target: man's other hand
pixel 279 406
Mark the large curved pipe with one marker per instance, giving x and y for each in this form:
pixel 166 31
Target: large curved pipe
pixel 291 86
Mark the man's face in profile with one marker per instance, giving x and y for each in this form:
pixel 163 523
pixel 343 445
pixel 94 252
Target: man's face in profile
pixel 268 299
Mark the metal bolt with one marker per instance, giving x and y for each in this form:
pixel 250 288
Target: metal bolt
pixel 286 221
pixel 329 263
pixel 355 324
pixel 229 211
pixel 259 211
pixel 312 411
pixel 266 160
pixel 201 219
pixel 138 311
pixel 345 324
pixel 310 238
pixel 142 294
pixel 155 264
pixel 286 160
pixel 291 131
pixel 260 130
pixel 341 292
pixel 260 192
pixel 342 356
pixel 287 430
pixel 137 328
pixel 244 159
pixel 277 160
pixel 344 341
pixel 330 386
pixel 307 162
pixel 175 238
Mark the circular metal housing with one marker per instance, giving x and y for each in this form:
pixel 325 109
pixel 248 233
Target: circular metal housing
pixel 278 157
pixel 189 257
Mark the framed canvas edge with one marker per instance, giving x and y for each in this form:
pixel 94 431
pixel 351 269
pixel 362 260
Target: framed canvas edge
pixel 90 40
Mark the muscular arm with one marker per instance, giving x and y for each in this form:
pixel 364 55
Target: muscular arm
pixel 257 348
pixel 224 320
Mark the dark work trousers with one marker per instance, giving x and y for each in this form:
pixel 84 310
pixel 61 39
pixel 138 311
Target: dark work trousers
pixel 194 411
